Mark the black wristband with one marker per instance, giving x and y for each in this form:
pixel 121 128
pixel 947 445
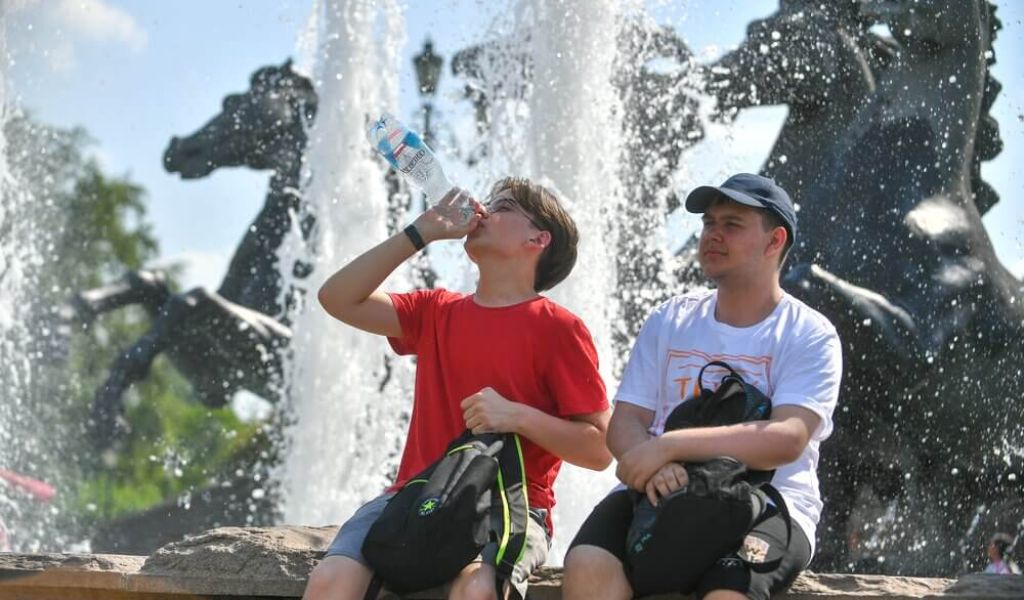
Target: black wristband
pixel 414 235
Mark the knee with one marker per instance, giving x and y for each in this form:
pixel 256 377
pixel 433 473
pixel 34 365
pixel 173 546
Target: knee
pixel 337 577
pixel 476 584
pixel 724 595
pixel 591 572
pixel 322 580
pixel 318 585
pixel 583 564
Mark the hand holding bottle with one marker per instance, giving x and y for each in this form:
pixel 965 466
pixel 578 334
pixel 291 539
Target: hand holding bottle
pixel 447 220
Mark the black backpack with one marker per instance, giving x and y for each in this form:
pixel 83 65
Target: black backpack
pixel 440 520
pixel 669 547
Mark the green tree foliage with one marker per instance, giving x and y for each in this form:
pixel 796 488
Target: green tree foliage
pixel 89 228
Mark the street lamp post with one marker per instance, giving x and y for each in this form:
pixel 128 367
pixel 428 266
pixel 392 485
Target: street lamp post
pixel 428 72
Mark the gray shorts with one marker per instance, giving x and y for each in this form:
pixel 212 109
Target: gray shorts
pixel 349 541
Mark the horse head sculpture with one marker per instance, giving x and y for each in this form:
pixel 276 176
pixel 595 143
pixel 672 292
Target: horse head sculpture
pixel 232 338
pixel 816 57
pixel 261 128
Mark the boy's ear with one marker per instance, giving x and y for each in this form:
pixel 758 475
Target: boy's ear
pixel 779 237
pixel 541 238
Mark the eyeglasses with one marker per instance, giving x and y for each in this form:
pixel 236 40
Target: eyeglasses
pixel 508 204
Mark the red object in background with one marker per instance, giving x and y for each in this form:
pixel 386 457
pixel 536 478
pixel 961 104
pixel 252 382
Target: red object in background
pixel 39 490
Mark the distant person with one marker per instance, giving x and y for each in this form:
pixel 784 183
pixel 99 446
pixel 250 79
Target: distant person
pixel 503 359
pixel 861 561
pixel 999 561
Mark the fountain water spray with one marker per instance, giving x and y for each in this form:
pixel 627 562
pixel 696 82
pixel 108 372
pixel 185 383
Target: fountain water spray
pixel 28 227
pixel 571 138
pixel 555 116
pixel 349 426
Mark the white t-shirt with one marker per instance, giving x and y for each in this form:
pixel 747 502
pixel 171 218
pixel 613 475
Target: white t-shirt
pixel 793 356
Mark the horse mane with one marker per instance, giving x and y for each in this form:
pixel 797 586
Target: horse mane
pixel 298 88
pixel 987 141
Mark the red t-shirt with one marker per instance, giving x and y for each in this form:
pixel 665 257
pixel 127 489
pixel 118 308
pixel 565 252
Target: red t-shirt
pixel 534 352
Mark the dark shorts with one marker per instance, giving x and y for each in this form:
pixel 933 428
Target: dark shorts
pixel 349 541
pixel 607 525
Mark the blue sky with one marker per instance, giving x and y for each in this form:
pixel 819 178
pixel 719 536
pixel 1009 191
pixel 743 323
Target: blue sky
pixel 134 73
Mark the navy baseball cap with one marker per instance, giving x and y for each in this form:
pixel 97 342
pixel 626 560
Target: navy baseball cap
pixel 751 190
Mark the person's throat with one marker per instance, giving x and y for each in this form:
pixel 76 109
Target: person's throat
pixel 495 290
pixel 748 306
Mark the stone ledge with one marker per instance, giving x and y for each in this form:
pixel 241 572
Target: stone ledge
pixel 235 563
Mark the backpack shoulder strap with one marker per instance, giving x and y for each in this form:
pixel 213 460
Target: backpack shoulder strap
pixel 514 506
pixel 767 490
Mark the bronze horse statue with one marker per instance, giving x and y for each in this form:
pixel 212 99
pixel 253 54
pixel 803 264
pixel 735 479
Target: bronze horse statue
pixel 231 338
pixel 884 143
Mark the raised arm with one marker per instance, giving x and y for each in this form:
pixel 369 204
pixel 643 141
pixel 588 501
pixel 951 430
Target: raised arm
pixel 351 295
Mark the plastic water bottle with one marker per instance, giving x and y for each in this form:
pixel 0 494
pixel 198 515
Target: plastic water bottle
pixel 410 156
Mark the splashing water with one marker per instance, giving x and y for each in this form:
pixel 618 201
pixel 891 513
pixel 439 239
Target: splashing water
pixel 16 254
pixel 558 120
pixel 348 433
pixel 8 278
pixel 570 110
pixel 24 242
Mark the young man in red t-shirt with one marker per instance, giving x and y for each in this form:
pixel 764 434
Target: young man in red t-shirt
pixel 503 359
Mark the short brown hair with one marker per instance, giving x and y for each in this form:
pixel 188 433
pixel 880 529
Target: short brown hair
pixel 558 259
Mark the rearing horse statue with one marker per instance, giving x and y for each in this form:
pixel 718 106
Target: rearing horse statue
pixel 894 252
pixel 231 338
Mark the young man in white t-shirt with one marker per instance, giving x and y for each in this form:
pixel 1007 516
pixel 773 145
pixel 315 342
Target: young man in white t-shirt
pixel 777 343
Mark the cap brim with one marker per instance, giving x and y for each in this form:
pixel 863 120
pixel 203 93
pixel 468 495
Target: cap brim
pixel 701 198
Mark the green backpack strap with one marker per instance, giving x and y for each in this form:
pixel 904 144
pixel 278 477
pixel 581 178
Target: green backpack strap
pixel 512 501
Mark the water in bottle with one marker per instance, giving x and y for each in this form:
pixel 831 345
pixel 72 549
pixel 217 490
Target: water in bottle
pixel 411 157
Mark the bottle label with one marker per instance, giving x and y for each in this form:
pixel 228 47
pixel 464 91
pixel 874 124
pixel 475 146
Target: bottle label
pixel 406 152
pixel 412 157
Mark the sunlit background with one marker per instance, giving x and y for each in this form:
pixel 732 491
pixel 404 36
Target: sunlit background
pixel 97 89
